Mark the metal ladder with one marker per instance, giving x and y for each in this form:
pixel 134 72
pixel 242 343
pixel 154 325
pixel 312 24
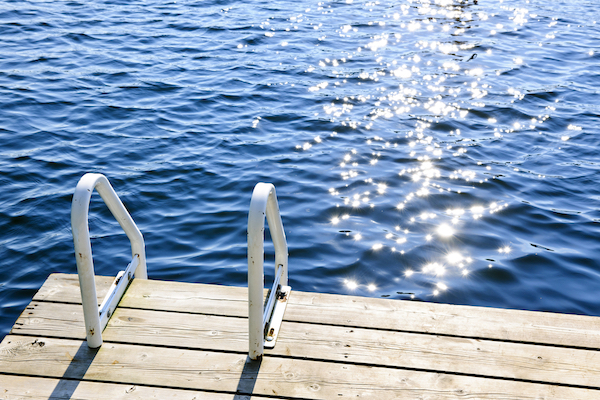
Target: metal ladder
pixel 264 319
pixel 265 322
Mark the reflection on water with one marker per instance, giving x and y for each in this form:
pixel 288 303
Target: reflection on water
pixel 439 150
pixel 424 86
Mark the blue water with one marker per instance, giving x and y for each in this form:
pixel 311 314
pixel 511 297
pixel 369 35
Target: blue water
pixel 440 151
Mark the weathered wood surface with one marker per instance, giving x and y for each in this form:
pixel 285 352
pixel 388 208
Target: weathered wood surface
pixel 14 387
pixel 331 343
pixel 177 340
pixel 229 372
pixel 444 319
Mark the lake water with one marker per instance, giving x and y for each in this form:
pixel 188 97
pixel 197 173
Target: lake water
pixel 439 151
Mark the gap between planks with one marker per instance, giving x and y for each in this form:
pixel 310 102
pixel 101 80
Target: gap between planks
pixel 15 387
pixel 231 373
pixel 65 289
pixel 493 359
pixel 519 326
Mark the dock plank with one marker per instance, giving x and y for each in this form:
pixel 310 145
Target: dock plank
pixel 565 366
pixel 14 387
pixel 401 315
pixel 193 338
pixel 231 373
pixel 64 288
pixel 352 311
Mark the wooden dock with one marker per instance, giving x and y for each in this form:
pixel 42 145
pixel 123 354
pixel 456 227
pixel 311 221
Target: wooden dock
pixel 170 340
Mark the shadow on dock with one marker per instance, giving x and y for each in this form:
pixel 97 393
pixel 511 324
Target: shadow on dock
pixel 75 372
pixel 248 379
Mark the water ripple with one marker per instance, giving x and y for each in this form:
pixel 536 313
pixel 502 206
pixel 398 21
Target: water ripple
pixel 436 151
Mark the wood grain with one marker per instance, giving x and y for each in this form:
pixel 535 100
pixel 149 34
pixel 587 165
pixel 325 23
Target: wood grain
pixel 352 311
pixel 226 372
pixel 332 343
pixel 65 288
pixel 14 387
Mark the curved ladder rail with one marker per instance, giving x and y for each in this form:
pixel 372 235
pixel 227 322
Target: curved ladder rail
pixel 97 318
pixel 264 322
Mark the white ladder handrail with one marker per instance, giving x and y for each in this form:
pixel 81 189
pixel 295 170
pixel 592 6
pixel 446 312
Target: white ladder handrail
pixel 264 203
pixel 95 318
